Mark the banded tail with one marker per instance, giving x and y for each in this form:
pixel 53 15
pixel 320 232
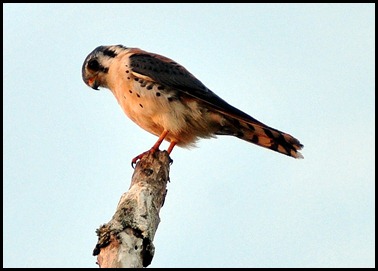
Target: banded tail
pixel 262 135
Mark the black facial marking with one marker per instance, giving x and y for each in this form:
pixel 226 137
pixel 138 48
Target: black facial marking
pixel 158 94
pixel 94 65
pixel 141 105
pixel 130 91
pixel 138 95
pixel 149 87
pixel 109 52
pixel 161 87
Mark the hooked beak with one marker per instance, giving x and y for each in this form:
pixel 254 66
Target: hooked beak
pixel 93 83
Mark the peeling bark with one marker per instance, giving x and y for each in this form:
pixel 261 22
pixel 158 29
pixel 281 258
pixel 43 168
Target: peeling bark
pixel 127 239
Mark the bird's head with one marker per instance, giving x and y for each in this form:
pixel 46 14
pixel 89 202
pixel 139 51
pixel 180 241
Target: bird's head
pixel 96 65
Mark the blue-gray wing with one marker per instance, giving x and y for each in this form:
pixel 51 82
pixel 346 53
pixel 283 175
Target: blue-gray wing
pixel 168 73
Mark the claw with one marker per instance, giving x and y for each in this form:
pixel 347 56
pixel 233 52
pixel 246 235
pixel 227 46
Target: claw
pixel 138 157
pixel 133 164
pixel 154 148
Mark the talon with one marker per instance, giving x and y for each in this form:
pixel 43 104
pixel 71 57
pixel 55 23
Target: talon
pixel 136 158
pixel 134 161
pixel 133 164
pixel 155 148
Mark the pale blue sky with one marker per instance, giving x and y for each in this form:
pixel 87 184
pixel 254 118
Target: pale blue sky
pixel 305 69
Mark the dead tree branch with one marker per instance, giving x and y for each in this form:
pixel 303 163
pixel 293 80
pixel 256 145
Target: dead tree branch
pixel 127 239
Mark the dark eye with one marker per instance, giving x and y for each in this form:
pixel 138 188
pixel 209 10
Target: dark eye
pixel 93 65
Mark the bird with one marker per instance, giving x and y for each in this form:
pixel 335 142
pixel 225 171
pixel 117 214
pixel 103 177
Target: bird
pixel 165 99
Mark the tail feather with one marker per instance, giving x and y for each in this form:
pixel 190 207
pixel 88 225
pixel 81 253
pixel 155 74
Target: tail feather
pixel 264 136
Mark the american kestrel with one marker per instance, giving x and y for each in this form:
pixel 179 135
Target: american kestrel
pixel 165 99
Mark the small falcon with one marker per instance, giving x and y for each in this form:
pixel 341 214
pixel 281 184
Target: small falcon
pixel 165 99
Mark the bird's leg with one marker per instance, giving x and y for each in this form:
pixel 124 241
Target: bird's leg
pixel 171 146
pixel 154 148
